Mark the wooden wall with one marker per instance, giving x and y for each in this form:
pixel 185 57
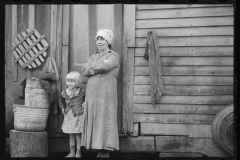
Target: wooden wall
pixel 47 20
pixel 84 23
pixel 70 32
pixel 196 50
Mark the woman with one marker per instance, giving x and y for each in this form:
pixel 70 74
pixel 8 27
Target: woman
pixel 100 129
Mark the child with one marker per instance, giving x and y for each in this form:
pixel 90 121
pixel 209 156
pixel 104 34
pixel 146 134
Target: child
pixel 71 101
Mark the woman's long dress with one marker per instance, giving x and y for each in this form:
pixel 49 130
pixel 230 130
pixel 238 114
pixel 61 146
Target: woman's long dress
pixel 100 127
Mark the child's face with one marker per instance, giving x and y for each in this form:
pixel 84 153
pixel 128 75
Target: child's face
pixel 71 83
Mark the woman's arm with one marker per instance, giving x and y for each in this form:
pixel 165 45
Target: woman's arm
pixel 107 64
pixel 86 70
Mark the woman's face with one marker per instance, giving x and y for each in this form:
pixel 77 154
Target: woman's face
pixel 71 83
pixel 102 44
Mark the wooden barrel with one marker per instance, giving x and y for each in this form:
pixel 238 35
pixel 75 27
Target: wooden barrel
pixel 35 95
pixel 222 129
pixel 28 144
pixel 30 119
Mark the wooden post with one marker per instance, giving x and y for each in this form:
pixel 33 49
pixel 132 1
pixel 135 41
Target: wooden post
pixel 28 144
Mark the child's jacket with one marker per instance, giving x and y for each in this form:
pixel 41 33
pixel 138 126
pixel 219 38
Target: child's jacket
pixel 74 103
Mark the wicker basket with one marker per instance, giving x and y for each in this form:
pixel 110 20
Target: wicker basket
pixel 30 119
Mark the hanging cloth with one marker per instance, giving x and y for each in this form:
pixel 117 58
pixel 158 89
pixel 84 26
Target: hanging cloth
pixel 152 54
pixel 51 67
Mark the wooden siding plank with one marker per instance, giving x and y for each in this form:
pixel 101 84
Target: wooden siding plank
pixel 189 31
pixel 175 6
pixel 189 41
pixel 129 24
pixel 174 118
pixel 128 66
pixel 189 80
pixel 58 59
pixel 187 90
pixel 53 52
pixel 92 28
pixel 190 130
pixel 9 71
pixel 14 27
pixel 191 51
pixel 217 99
pixel 178 108
pixel 188 70
pixel 65 24
pixel 187 12
pixel 31 17
pixel 65 65
pixel 79 35
pixel 118 47
pixel 181 61
pixel 22 20
pixel 188 144
pixel 135 132
pixel 188 22
pixel 104 16
pixel 142 143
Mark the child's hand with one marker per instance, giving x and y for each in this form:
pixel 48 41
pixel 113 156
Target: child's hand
pixel 63 111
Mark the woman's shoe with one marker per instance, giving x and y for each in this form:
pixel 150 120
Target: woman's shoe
pixel 103 153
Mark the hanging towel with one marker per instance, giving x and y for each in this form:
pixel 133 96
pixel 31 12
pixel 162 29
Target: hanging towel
pixel 152 54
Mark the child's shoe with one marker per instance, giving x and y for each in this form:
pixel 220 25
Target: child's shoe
pixel 78 154
pixel 71 154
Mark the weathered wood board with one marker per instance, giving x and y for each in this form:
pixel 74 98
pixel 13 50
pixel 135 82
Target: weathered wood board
pixel 178 108
pixel 141 143
pixel 188 70
pixel 217 99
pixel 189 130
pixel 178 22
pixel 174 118
pixel 188 144
pixel 199 51
pixel 189 80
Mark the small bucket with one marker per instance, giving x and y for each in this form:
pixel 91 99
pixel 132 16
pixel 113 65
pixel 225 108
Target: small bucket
pixel 35 95
pixel 30 119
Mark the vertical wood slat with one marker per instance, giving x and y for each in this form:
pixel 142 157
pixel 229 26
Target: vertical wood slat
pixel 14 34
pixel 53 49
pixel 65 24
pixel 31 21
pixel 92 29
pixel 58 59
pixel 117 41
pixel 128 68
pixel 8 71
pixel 79 35
pixel 23 12
pixel 105 17
pixel 135 132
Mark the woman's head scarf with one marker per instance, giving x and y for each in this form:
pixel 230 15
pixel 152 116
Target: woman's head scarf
pixel 106 34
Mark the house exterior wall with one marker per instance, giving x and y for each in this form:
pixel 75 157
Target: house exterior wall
pixel 196 53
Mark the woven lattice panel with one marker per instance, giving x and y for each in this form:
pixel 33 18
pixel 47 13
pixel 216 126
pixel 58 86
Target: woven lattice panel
pixel 29 49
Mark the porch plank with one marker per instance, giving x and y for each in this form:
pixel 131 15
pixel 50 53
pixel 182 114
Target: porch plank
pixel 142 143
pixel 188 144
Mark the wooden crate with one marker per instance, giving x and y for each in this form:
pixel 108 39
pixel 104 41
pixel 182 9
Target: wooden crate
pixel 29 49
